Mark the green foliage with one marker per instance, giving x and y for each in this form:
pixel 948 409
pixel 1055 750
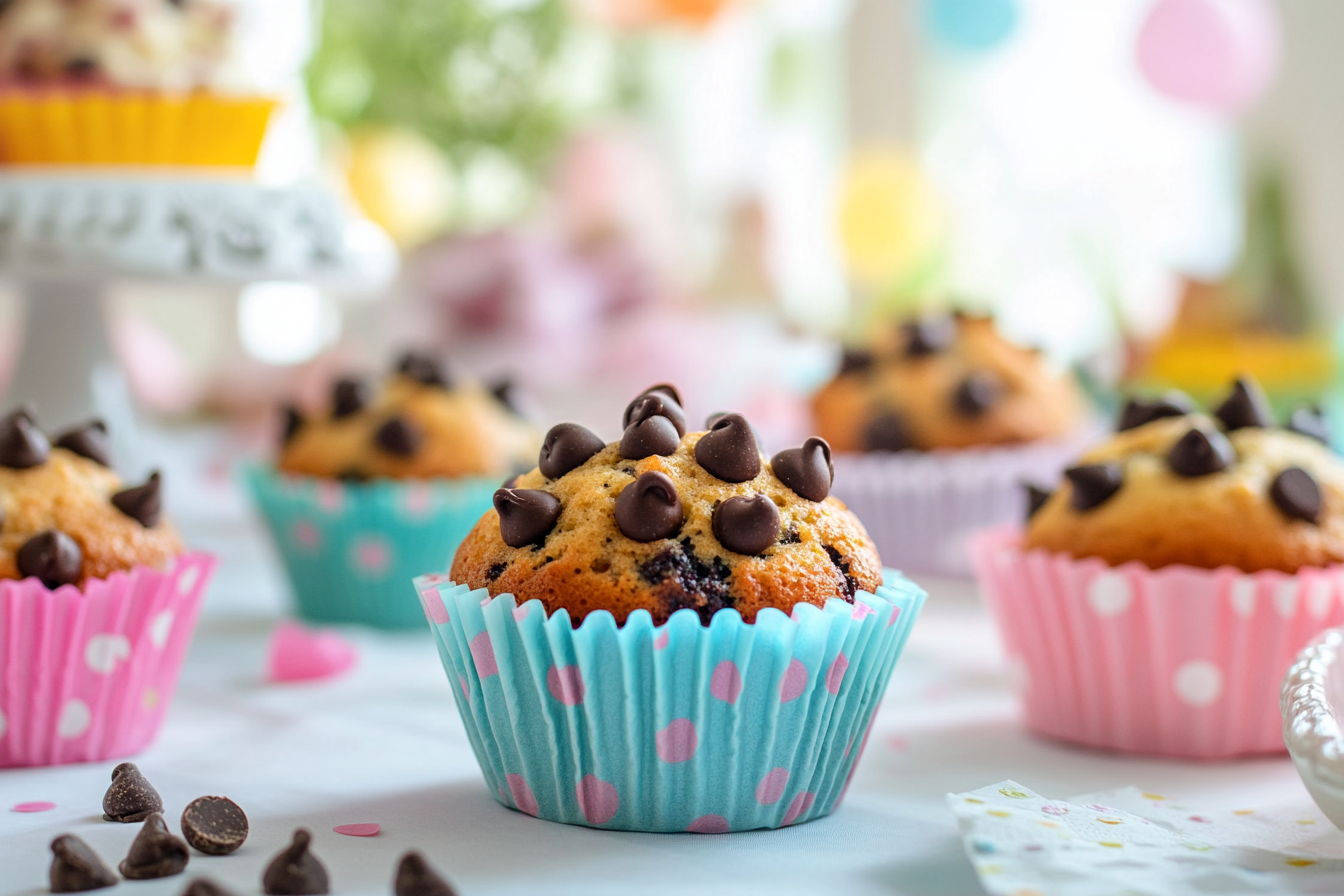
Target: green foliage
pixel 467 74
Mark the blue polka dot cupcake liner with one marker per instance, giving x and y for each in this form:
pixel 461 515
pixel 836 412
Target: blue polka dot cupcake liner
pixel 350 549
pixel 673 728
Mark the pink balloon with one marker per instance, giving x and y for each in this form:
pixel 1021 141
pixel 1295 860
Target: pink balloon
pixel 1220 54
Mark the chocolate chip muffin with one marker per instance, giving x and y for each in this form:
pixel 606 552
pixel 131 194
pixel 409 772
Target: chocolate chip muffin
pixel 943 382
pixel 417 426
pixel 664 520
pixel 67 516
pixel 1175 486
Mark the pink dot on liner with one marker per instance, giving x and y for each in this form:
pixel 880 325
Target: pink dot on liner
pixel 801 803
pixel 677 742
pixel 522 795
pixel 861 610
pixel 794 682
pixel 771 788
pixel 483 654
pixel 485 601
pixel 660 642
pixel 33 807
pixel 466 688
pixel 725 682
pixel 434 608
pixel 709 824
pixel 520 613
pixel 598 799
pixel 837 673
pixel 891 620
pixel 565 684
pixel 358 830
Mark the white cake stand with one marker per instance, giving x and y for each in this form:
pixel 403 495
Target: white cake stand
pixel 64 237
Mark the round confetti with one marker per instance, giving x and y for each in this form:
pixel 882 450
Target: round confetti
pixel 40 806
pixel 358 830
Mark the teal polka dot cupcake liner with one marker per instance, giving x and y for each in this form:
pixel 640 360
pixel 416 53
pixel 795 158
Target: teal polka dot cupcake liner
pixel 679 727
pixel 351 548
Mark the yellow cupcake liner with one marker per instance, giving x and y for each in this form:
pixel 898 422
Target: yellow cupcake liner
pixel 94 126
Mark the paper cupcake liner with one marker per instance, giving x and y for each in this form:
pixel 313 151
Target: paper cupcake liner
pixel 351 549
pixel 922 507
pixel 679 727
pixel 1174 662
pixel 106 126
pixel 87 675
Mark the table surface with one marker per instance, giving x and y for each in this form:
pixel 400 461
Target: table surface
pixel 384 744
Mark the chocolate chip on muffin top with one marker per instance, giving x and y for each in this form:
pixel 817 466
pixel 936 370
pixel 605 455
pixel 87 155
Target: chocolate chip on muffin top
pixel 663 520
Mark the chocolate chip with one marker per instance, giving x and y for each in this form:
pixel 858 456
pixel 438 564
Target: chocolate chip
pixel 856 360
pixel 649 508
pixel 53 557
pixel 130 797
pixel 567 447
pixel 399 436
pixel 350 396
pixel 747 525
pixel 291 424
pixel 81 67
pixel 22 444
pixel 1310 422
pixel 1200 453
pixel 526 515
pixel 1140 411
pixel 929 335
pixel 1036 498
pixel 214 825
pixel 202 887
pixel 681 579
pixel 504 394
pixel 1094 484
pixel 666 403
pixel 295 871
pixel 841 564
pixel 728 451
pixel 416 878
pixel 1246 406
pixel 422 368
pixel 888 432
pixel 495 571
pixel 76 868
pixel 977 393
pixel 807 470
pixel 143 503
pixel 649 434
pixel 155 852
pixel 1296 493
pixel 89 440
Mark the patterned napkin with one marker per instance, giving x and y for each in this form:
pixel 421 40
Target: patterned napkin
pixel 1131 843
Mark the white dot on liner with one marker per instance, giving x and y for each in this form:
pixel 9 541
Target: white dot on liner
pixel 1320 595
pixel 1285 598
pixel 1243 596
pixel 160 628
pixel 1198 683
pixel 104 651
pixel 1110 594
pixel 4 724
pixel 75 718
pixel 187 580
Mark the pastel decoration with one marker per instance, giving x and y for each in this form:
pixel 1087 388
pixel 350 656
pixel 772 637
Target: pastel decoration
pixel 771 788
pixel 299 654
pixel 709 824
pixel 40 806
pixel 794 683
pixel 971 26
pixel 725 683
pixel 891 216
pixel 483 654
pixel 598 799
pixel 522 795
pixel 565 684
pixel 676 742
pixel 798 807
pixel 366 829
pixel 1219 54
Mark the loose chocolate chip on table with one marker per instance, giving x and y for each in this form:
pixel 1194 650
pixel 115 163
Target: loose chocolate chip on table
pixel 76 868
pixel 22 444
pixel 977 394
pixel 649 508
pixel 422 368
pixel 399 436
pixel 203 887
pixel 807 470
pixel 888 432
pixel 1296 493
pixel 728 451
pixel 155 852
pixel 131 797
pixel 415 877
pixel 929 335
pixel 855 360
pixel 1199 453
pixel 666 403
pixel 215 825
pixel 747 525
pixel 142 503
pixel 649 434
pixel 350 396
pixel 1310 422
pixel 1094 484
pixel 53 557
pixel 1036 498
pixel 290 425
pixel 526 515
pixel 1139 411
pixel 295 871
pixel 567 447
pixel 88 440
pixel 1246 406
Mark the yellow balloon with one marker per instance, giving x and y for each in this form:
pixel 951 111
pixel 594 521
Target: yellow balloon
pixel 401 181
pixel 891 217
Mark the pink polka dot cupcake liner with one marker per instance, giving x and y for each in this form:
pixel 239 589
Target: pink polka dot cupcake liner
pixel 672 728
pixel 922 507
pixel 1176 661
pixel 88 674
pixel 350 549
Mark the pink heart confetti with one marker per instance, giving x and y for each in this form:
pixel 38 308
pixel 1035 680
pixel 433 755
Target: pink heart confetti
pixel 298 654
pixel 358 830
pixel 40 806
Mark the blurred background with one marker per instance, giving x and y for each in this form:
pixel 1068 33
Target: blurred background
pixel 589 196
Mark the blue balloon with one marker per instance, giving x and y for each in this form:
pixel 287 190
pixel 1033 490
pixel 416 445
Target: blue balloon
pixel 971 26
